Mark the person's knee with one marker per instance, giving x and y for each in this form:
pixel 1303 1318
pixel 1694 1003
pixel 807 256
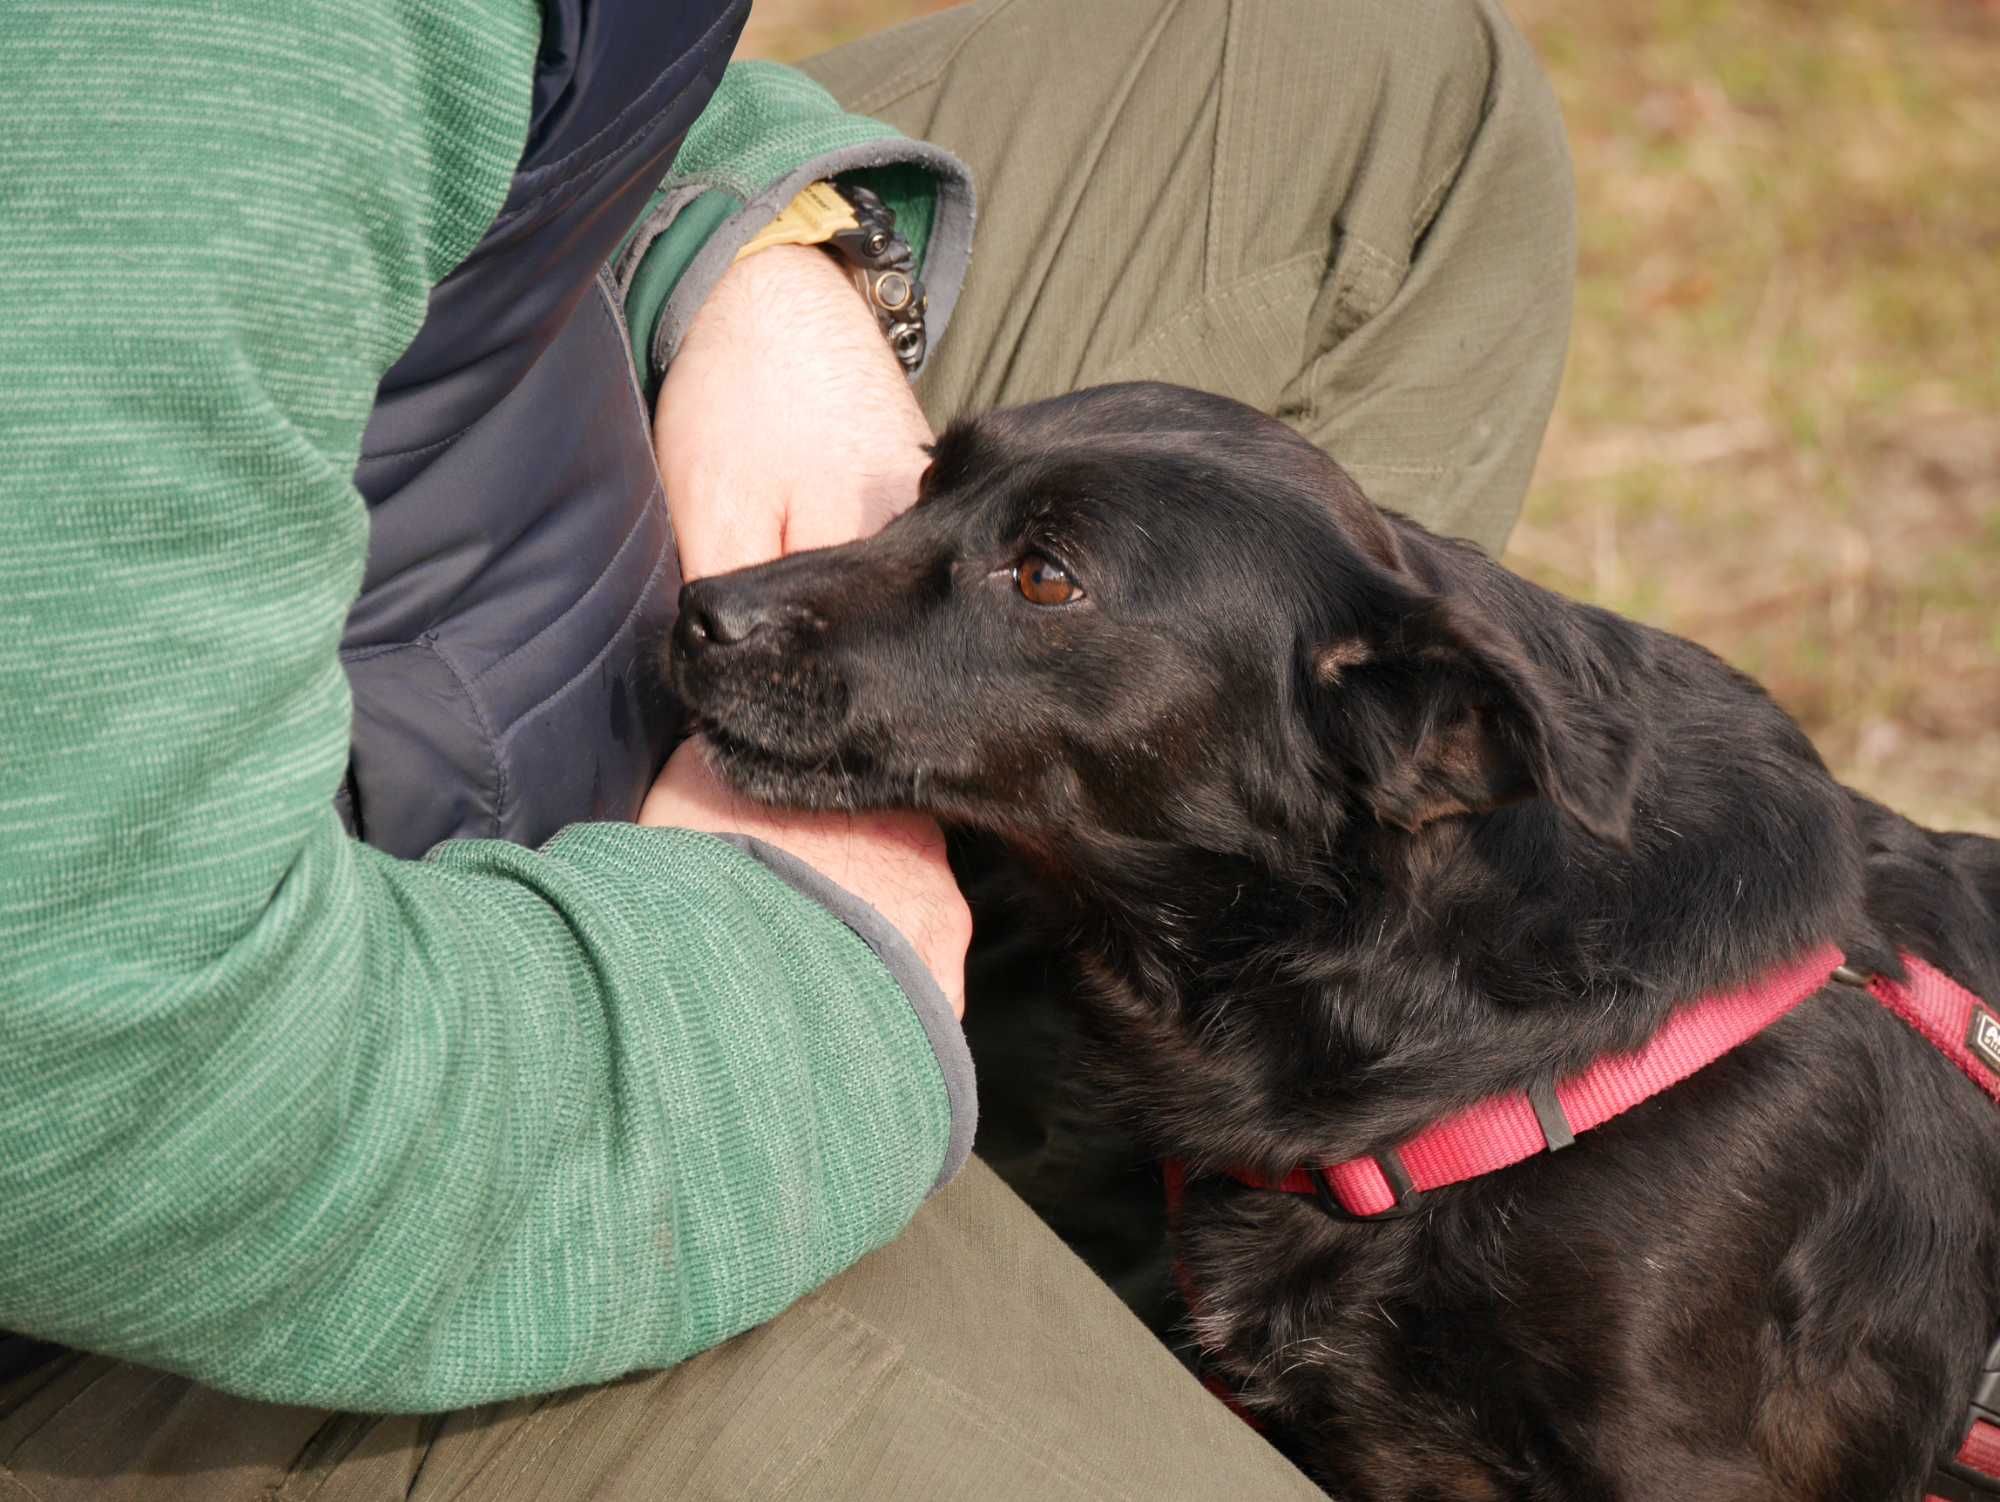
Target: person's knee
pixel 1344 121
pixel 1442 308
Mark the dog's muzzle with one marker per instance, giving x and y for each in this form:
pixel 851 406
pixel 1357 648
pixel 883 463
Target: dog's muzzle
pixel 729 611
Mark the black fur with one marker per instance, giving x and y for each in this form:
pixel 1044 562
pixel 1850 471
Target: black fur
pixel 1350 827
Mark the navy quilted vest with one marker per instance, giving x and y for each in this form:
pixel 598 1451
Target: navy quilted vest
pixel 519 559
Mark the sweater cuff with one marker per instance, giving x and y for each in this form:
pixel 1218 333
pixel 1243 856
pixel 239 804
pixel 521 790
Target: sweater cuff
pixel 899 956
pixel 769 132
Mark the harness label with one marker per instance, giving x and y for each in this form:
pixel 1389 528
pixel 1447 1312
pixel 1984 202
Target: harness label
pixel 1984 1039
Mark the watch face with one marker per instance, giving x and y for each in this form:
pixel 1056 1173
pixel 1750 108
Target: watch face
pixel 892 291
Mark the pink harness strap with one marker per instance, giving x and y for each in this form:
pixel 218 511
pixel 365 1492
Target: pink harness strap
pixel 1954 1021
pixel 1505 1129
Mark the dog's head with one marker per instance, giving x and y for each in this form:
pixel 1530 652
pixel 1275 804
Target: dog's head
pixel 1146 612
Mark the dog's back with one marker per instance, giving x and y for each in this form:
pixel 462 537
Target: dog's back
pixel 1936 895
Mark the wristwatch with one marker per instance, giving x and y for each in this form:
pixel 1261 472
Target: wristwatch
pixel 859 230
pixel 884 272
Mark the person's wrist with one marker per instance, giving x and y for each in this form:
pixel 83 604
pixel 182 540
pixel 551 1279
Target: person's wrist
pixel 853 226
pixel 791 299
pixel 801 288
pixel 784 422
pixel 895 861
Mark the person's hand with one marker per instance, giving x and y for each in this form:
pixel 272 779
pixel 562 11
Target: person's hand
pixel 784 422
pixel 893 861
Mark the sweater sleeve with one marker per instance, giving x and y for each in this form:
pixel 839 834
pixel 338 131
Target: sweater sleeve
pixel 277 1111
pixel 769 132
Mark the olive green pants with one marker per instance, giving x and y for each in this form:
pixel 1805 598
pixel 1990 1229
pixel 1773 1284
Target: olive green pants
pixel 1353 213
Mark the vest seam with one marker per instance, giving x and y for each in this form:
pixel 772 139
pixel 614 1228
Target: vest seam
pixel 416 448
pixel 602 577
pixel 349 655
pixel 429 640
pixel 596 658
pixel 617 553
pixel 700 49
pixel 613 298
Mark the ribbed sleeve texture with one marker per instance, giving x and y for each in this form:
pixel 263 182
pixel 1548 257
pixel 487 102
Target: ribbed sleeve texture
pixel 275 1110
pixel 768 132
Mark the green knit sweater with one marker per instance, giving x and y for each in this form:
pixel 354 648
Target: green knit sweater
pixel 276 1111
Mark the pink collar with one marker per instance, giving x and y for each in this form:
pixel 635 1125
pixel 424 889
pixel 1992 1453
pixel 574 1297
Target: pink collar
pixel 1505 1129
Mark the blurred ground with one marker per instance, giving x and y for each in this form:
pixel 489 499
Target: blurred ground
pixel 1780 429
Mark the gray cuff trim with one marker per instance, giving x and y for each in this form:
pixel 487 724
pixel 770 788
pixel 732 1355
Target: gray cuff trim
pixel 663 213
pixel 947 1038
pixel 947 254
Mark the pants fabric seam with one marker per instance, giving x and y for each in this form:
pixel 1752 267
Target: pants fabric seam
pixel 971 1411
pixel 1161 332
pixel 896 90
pixel 1094 148
pixel 533 1419
pixel 1218 179
pixel 820 1446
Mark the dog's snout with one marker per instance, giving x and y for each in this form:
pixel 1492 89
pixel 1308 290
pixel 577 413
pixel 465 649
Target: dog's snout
pixel 718 613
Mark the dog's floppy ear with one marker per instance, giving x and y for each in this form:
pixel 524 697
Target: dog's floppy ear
pixel 1449 716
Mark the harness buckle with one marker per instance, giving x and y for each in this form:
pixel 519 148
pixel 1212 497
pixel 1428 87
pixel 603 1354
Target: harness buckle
pixel 1986 1396
pixel 1957 1479
pixel 1409 1198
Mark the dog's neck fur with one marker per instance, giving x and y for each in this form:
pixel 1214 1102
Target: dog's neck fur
pixel 1327 992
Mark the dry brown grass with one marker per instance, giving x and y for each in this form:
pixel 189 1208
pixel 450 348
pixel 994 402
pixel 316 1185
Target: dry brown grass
pixel 1780 431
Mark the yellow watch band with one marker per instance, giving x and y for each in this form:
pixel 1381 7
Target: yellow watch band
pixel 814 217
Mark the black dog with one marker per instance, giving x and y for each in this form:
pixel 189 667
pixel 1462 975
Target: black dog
pixel 1351 828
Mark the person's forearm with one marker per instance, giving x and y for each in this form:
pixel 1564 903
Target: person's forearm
pixel 785 423
pixel 275 1110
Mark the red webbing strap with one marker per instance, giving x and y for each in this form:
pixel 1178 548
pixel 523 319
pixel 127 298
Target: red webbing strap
pixel 1954 1021
pixel 1505 1129
pixel 1981 1450
pixel 1508 1128
pixel 1965 1030
pixel 1979 1454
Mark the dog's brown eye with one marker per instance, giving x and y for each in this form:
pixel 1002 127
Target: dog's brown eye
pixel 1044 582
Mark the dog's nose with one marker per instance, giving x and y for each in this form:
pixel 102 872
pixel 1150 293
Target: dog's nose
pixel 715 613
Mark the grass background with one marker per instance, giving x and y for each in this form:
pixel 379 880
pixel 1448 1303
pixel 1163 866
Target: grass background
pixel 1780 428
